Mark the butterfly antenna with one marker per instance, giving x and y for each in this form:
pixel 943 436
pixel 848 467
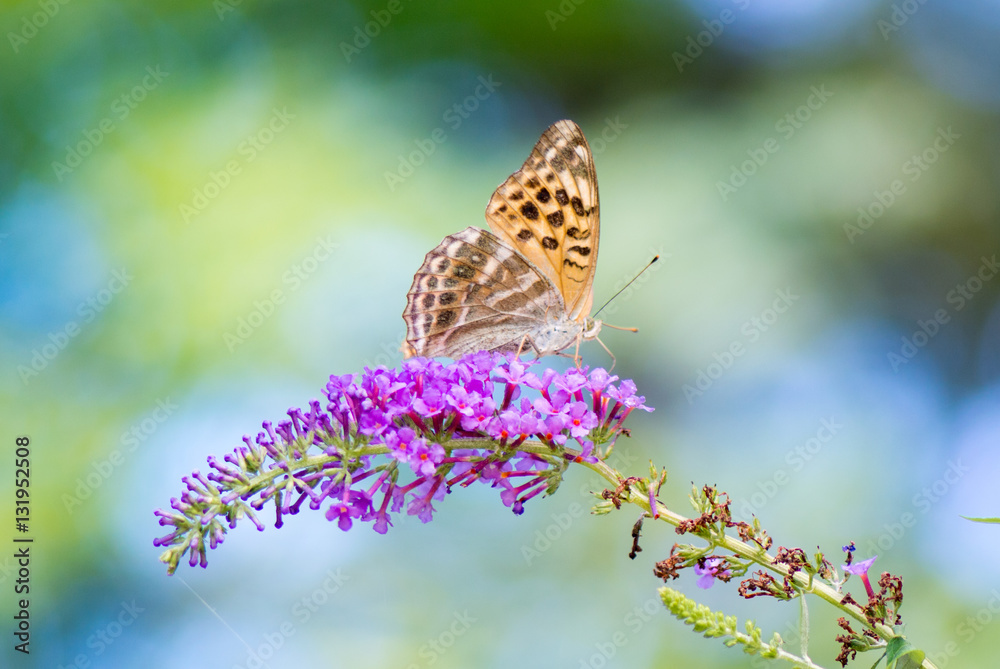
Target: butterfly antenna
pixel 648 265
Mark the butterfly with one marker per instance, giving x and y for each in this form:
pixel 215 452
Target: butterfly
pixel 527 283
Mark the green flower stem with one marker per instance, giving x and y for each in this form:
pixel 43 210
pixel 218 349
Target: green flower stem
pixel 747 551
pixel 796 660
pixel 712 624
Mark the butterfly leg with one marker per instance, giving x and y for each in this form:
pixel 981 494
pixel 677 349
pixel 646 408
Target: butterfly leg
pixel 613 358
pixel 520 347
pixel 576 354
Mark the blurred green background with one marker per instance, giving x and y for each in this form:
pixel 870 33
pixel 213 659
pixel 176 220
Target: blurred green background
pixel 208 208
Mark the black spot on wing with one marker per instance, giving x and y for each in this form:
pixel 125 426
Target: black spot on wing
pixel 486 242
pixel 555 219
pixel 446 318
pixel 529 211
pixel 463 272
pixel 550 243
pixel 471 254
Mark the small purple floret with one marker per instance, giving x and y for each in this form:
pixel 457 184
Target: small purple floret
pixel 710 572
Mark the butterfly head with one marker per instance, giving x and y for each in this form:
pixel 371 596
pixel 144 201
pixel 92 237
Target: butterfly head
pixel 591 328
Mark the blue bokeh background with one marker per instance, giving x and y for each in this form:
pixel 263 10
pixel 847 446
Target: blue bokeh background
pixel 169 173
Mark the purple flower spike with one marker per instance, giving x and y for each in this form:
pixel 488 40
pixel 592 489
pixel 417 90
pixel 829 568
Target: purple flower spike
pixel 395 439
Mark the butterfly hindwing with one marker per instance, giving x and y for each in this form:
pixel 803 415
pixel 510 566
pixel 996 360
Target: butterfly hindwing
pixel 473 293
pixel 549 211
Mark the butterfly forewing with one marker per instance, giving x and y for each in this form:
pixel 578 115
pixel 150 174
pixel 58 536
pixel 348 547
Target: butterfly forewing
pixel 474 293
pixel 549 211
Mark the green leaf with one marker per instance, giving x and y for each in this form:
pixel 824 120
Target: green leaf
pixel 901 654
pixel 983 520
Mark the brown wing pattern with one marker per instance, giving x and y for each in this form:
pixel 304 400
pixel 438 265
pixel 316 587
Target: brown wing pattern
pixel 549 211
pixel 475 293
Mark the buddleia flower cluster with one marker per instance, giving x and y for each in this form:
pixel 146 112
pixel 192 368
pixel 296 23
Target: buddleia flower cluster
pixel 400 439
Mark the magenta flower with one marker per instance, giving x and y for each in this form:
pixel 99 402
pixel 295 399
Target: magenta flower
pixel 581 420
pixel 711 571
pixel 430 403
pixel 425 457
pixel 861 569
pixel 343 513
pixel 480 417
